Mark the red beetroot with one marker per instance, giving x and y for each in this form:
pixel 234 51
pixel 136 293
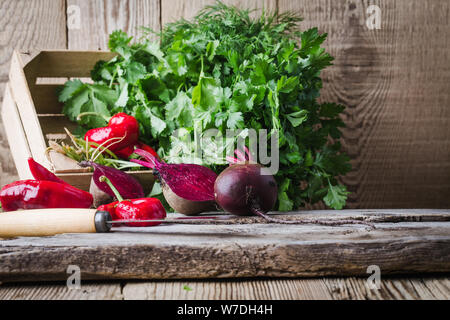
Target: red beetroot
pixel 127 185
pixel 245 189
pixel 188 181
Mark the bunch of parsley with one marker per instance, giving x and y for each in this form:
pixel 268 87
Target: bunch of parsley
pixel 226 70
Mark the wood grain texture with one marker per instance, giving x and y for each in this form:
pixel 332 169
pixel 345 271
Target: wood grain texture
pixel 295 289
pixel 273 289
pixel 15 134
pixel 21 91
pixel 27 26
pixel 228 290
pixel 99 18
pixel 172 10
pixel 390 289
pixel 395 82
pixel 241 248
pixel 90 291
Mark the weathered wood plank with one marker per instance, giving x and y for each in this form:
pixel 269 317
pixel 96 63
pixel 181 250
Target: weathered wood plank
pixel 15 134
pixel 296 289
pixel 228 290
pixel 172 10
pixel 390 289
pixel 247 249
pixel 432 289
pixel 20 89
pixel 396 84
pixel 90 291
pixel 30 26
pixel 278 289
pixel 99 18
pixel 27 26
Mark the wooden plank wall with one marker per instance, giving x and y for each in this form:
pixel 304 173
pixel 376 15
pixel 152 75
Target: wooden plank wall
pixel 28 26
pixel 395 80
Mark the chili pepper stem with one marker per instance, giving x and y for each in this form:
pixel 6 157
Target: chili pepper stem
pixel 113 188
pixel 104 147
pixel 81 115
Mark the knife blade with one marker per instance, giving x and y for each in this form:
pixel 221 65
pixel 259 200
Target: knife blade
pixel 179 220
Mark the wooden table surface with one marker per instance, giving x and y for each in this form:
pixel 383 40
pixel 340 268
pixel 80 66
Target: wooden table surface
pixel 258 260
pixel 410 288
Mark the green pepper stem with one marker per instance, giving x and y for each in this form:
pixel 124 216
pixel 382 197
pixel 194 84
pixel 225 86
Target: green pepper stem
pixel 81 115
pixel 113 188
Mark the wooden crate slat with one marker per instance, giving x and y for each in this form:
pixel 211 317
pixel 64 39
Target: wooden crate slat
pixel 55 124
pixel 100 18
pixel 45 99
pixel 27 111
pixel 64 63
pixel 15 134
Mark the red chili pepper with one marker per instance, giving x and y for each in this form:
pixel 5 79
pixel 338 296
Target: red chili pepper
pixel 125 153
pixel 141 209
pixel 120 126
pixel 134 209
pixel 33 194
pixel 39 172
pixel 111 208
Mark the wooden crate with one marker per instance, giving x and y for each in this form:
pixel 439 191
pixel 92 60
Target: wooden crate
pixel 32 114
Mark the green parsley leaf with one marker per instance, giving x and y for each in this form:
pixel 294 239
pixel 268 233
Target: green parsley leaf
pixel 336 196
pixel 70 88
pixel 297 118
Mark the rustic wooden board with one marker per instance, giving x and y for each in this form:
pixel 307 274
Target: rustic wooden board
pixel 414 241
pixel 396 84
pixel 172 10
pixel 435 288
pixel 27 26
pixel 101 17
pixel 90 291
pixel 20 90
pixel 292 289
pixel 16 135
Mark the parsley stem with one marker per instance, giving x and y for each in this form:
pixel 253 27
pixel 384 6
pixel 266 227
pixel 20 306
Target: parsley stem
pixel 201 70
pixel 81 115
pixel 113 77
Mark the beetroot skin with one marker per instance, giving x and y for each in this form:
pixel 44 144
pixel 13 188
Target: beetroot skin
pixel 188 181
pixel 241 189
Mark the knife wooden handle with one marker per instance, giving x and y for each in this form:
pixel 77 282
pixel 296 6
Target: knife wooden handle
pixel 48 222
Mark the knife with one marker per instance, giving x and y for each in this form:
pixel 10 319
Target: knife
pixel 49 222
